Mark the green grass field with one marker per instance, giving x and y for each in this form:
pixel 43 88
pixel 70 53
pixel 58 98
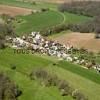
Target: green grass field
pixel 74 18
pixel 42 21
pixel 29 5
pixel 32 90
pixel 39 21
pixel 88 81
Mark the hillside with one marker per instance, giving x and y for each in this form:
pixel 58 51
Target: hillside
pixel 42 58
pixel 27 63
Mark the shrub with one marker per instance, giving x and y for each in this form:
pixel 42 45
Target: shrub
pixel 8 90
pixel 44 9
pixel 13 67
pixel 45 77
pixel 42 74
pixel 77 95
pixel 33 3
pixel 64 87
pixel 2 44
pixel 97 35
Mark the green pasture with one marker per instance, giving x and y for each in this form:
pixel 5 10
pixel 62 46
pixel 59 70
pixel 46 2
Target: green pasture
pixel 45 20
pixel 87 81
pixel 74 18
pixel 30 5
pixel 25 64
pixel 38 21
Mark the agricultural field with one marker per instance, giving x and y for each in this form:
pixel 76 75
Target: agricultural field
pixel 79 40
pixel 34 22
pixel 14 11
pixel 49 19
pixel 43 68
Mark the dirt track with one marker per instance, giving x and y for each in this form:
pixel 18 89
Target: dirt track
pixel 80 40
pixel 14 11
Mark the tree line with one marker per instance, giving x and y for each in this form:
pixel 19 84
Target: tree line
pixel 6 29
pixel 87 8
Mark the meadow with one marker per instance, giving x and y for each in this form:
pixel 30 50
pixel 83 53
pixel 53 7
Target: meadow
pixel 88 80
pixel 74 18
pixel 38 21
pixel 24 65
pixel 50 19
pixel 30 5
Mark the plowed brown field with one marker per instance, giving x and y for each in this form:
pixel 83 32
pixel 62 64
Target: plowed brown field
pixel 79 40
pixel 13 11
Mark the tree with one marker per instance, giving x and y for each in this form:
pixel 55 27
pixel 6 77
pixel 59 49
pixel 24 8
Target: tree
pixel 77 95
pixel 97 31
pixel 64 87
pixel 8 90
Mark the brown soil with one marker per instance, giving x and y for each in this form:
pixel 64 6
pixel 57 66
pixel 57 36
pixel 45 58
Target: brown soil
pixel 80 40
pixel 13 11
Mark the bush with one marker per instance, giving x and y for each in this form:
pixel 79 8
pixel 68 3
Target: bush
pixel 33 3
pixel 8 90
pixel 42 74
pixel 44 9
pixel 77 95
pixel 2 44
pixel 64 87
pixel 13 67
pixel 55 29
pixel 45 77
pixel 97 35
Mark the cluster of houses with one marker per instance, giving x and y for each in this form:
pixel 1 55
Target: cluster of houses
pixel 37 43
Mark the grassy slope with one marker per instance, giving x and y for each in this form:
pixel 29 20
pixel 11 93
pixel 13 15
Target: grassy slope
pixel 28 4
pixel 91 75
pixel 49 19
pixel 26 63
pixel 88 87
pixel 74 18
pixel 39 21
